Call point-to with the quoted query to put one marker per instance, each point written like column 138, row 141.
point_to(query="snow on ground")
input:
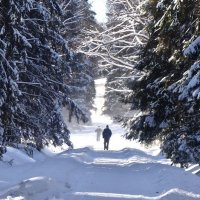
column 88, row 174
column 126, row 171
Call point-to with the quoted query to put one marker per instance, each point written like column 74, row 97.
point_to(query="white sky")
column 99, row 6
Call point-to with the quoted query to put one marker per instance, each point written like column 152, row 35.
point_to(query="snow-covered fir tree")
column 36, row 74
column 167, row 93
column 77, row 17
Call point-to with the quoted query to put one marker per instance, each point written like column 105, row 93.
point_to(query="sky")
column 99, row 6
column 126, row 171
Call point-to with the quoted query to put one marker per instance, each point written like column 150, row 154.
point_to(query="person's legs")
column 107, row 144
column 104, row 144
column 98, row 136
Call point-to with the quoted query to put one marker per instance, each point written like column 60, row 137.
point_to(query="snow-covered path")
column 87, row 174
column 129, row 174
column 127, row 171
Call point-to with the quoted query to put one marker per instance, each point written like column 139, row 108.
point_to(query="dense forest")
column 41, row 71
column 149, row 50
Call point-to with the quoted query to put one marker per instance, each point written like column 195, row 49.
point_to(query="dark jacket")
column 107, row 133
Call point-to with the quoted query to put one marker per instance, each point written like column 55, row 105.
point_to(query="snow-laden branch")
column 104, row 58
column 117, row 90
column 29, row 83
column 120, row 61
column 117, row 45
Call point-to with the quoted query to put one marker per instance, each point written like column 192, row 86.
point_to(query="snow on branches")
column 169, row 94
column 37, row 70
column 116, row 46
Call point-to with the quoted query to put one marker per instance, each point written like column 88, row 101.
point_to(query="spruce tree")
column 36, row 74
column 168, row 111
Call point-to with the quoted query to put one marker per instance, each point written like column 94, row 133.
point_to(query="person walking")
column 106, row 136
column 98, row 131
